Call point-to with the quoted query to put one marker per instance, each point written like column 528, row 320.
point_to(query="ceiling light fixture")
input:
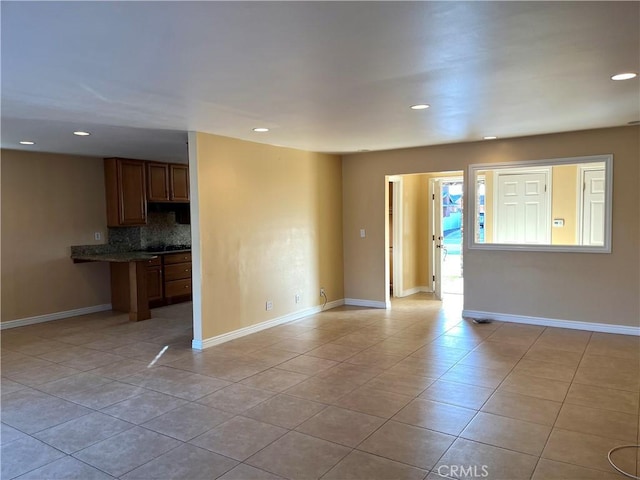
column 260, row 129
column 420, row 106
column 624, row 76
column 27, row 142
column 491, row 137
column 81, row 133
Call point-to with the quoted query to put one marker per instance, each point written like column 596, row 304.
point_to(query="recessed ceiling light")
column 624, row 76
column 260, row 129
column 491, row 137
column 420, row 106
column 27, row 142
column 81, row 133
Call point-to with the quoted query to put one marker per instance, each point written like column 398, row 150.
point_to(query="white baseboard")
column 21, row 322
column 225, row 337
column 356, row 302
column 414, row 290
column 554, row 322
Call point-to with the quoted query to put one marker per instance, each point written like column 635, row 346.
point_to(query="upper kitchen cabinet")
column 126, row 192
column 179, row 181
column 157, row 182
column 167, row 182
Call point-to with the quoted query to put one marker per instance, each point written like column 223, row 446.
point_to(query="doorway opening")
column 448, row 227
column 423, row 253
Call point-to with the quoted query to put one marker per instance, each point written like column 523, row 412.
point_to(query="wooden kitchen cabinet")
column 157, row 182
column 125, row 184
column 155, row 282
column 167, row 182
column 179, row 183
column 177, row 277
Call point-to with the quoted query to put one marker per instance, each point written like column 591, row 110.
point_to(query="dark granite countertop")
column 165, row 252
column 119, row 253
column 114, row 257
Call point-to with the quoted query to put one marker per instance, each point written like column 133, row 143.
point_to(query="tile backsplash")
column 161, row 229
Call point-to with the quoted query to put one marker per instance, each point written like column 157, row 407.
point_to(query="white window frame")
column 470, row 219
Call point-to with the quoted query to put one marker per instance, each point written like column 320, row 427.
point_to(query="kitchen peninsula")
column 131, row 295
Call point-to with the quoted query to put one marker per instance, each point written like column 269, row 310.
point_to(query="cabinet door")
column 132, row 192
column 179, row 175
column 154, row 283
column 157, row 182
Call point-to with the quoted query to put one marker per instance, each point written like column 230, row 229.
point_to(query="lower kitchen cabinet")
column 169, row 279
column 177, row 277
column 155, row 282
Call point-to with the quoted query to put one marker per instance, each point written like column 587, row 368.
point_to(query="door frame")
column 397, row 220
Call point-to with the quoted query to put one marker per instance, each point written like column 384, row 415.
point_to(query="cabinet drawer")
column 177, row 288
column 156, row 262
column 177, row 258
column 177, row 271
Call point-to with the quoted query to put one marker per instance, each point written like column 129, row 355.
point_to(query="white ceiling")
column 323, row 76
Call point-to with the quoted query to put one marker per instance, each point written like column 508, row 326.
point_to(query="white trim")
column 554, row 322
column 21, row 322
column 196, row 256
column 398, row 232
column 241, row 332
column 356, row 302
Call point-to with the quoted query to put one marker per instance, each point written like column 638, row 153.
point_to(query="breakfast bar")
column 128, row 280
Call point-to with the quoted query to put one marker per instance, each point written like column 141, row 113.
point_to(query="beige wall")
column 411, row 211
column 50, row 202
column 564, row 203
column 600, row 288
column 270, row 225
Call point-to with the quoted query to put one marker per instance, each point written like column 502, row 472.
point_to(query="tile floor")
column 349, row 393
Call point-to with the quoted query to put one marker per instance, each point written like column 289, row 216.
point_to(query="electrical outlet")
column 269, row 305
column 297, row 298
column 322, row 292
column 97, row 236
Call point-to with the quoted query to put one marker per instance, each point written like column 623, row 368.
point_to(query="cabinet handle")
column 186, row 269
column 186, row 286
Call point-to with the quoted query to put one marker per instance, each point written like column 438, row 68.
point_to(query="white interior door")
column 593, row 207
column 522, row 214
column 438, row 238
